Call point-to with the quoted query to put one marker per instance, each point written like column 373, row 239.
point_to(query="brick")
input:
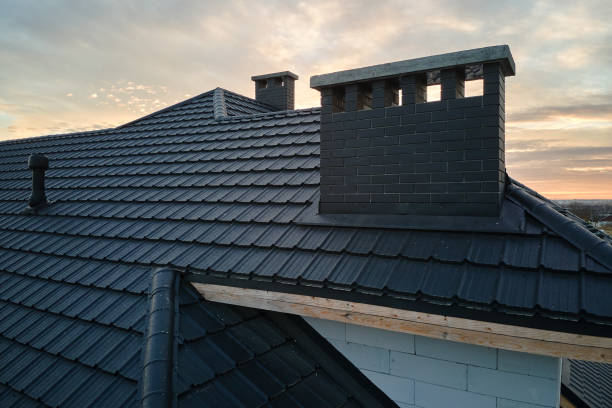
column 364, row 142
column 524, row 388
column 385, row 141
column 338, row 189
column 385, row 198
column 446, row 177
column 399, row 130
column 370, row 113
column 530, row 364
column 447, row 156
column 332, row 180
column 332, row 198
column 370, row 133
column 430, row 188
column 434, row 371
column 457, row 352
column 473, row 165
column 386, row 179
column 371, row 188
column 465, row 187
column 386, row 122
column 399, row 168
column 380, row 338
column 357, row 198
column 399, row 188
column 414, row 178
column 370, row 170
column 414, row 138
column 362, row 179
column 432, row 396
column 398, row 389
column 415, row 198
column 328, row 328
column 448, row 198
column 431, row 106
column 430, row 167
column 364, row 357
column 431, row 127
column 416, row 118
column 482, row 197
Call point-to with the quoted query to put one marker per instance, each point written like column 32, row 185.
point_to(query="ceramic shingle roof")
column 75, row 330
column 587, row 383
column 231, row 198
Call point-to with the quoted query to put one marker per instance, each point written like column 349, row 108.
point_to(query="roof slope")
column 587, row 384
column 230, row 200
column 71, row 334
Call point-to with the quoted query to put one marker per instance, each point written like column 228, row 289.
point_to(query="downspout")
column 159, row 351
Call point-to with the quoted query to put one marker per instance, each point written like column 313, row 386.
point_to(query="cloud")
column 589, row 112
column 138, row 57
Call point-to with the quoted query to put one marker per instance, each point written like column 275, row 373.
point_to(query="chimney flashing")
column 497, row 53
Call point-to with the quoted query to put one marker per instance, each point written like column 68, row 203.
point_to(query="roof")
column 230, row 199
column 586, row 383
column 82, row 330
column 221, row 189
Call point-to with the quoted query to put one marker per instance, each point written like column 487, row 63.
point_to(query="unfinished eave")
column 502, row 336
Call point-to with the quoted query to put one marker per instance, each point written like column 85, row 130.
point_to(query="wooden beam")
column 502, row 336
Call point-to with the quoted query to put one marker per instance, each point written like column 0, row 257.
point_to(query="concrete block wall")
column 417, row 371
column 438, row 158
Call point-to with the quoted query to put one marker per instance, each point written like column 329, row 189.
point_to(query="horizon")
column 102, row 64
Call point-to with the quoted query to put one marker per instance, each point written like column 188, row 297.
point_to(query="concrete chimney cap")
column 275, row 75
column 38, row 161
column 497, row 53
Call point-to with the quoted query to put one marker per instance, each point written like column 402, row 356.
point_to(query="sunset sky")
column 77, row 65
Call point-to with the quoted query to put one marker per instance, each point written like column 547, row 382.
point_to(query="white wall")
column 421, row 372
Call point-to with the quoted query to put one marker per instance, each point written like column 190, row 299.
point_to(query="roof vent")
column 39, row 164
column 424, row 158
column 276, row 90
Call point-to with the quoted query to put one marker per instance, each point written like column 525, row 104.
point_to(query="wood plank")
column 495, row 335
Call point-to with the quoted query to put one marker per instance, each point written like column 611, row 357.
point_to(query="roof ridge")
column 549, row 213
column 219, row 108
column 159, row 352
column 167, row 108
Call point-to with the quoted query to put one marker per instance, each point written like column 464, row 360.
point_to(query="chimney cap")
column 38, row 161
column 497, row 53
column 275, row 75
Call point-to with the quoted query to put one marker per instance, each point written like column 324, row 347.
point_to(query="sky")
column 67, row 66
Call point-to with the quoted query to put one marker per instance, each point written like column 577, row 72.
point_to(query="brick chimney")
column 427, row 158
column 276, row 90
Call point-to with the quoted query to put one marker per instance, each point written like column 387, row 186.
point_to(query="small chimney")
column 276, row 90
column 427, row 158
column 38, row 163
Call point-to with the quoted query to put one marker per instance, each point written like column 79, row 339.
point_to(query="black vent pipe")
column 38, row 163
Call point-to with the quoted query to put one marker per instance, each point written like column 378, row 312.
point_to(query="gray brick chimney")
column 430, row 158
column 276, row 90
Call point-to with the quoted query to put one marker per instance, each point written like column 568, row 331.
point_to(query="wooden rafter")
column 502, row 336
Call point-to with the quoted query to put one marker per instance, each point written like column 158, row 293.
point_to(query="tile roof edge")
column 159, row 348
column 549, row 213
column 54, row 136
column 219, row 108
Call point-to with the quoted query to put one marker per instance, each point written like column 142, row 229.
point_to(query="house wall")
column 421, row 372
